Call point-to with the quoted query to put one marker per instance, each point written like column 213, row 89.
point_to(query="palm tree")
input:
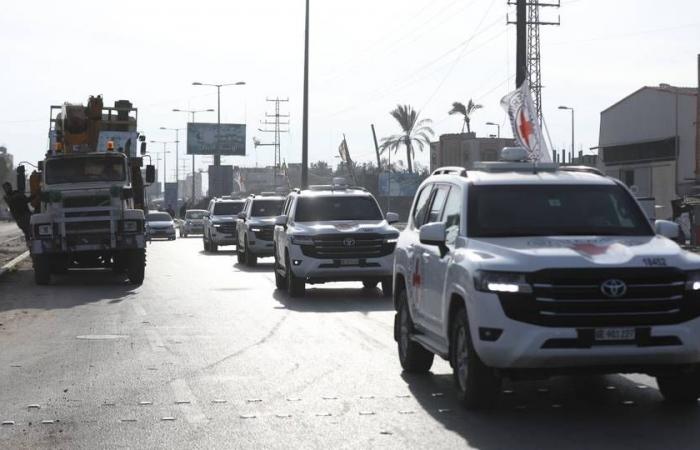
column 466, row 111
column 414, row 133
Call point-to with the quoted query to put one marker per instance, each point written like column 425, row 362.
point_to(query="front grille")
column 227, row 228
column 89, row 239
column 573, row 298
column 340, row 246
column 86, row 214
column 86, row 201
column 96, row 227
column 266, row 233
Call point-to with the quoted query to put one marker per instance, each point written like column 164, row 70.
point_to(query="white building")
column 465, row 149
column 649, row 141
column 186, row 191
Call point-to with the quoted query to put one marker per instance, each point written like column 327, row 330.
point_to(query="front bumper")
column 87, row 243
column 160, row 233
column 526, row 346
column 193, row 229
column 220, row 238
column 260, row 247
column 321, row 270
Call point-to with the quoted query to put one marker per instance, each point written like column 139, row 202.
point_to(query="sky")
column 366, row 57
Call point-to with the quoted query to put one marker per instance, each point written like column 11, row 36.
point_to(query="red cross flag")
column 523, row 118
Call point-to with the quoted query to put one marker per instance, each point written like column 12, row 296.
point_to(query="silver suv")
column 220, row 223
column 333, row 233
column 256, row 223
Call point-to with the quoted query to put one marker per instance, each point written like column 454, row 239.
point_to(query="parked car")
column 193, row 223
column 255, row 227
column 160, row 224
column 220, row 223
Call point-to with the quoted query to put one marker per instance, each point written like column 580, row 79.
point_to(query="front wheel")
column 280, row 280
column 136, row 269
column 370, row 284
column 683, row 388
column 42, row 270
column 414, row 358
column 250, row 259
column 296, row 286
column 388, row 287
column 477, row 385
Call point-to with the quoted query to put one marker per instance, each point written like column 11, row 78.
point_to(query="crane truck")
column 88, row 192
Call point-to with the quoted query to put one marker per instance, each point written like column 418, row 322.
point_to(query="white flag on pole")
column 523, row 118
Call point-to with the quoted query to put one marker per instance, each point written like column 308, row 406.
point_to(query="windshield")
column 554, row 210
column 196, row 215
column 80, row 170
column 227, row 208
column 321, row 209
column 266, row 208
column 158, row 217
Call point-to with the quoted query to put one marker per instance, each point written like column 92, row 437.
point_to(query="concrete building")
column 648, row 140
column 187, row 187
column 464, row 149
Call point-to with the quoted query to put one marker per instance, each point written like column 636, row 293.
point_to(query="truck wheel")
column 42, row 270
column 250, row 259
column 280, row 280
column 296, row 286
column 414, row 357
column 477, row 385
column 388, row 287
column 370, row 284
column 213, row 247
column 683, row 388
column 136, row 269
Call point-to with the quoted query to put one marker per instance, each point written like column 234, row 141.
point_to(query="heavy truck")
column 88, row 192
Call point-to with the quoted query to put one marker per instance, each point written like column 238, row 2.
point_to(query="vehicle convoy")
column 255, row 227
column 159, row 224
column 220, row 223
column 518, row 271
column 193, row 223
column 333, row 233
column 88, row 192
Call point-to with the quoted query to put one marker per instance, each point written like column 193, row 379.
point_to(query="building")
column 186, row 192
column 6, row 166
column 464, row 149
column 649, row 140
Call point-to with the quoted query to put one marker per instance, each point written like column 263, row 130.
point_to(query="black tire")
column 136, row 268
column 682, row 389
column 280, row 280
column 213, row 247
column 388, row 287
column 250, row 259
column 42, row 270
column 369, row 284
column 205, row 244
column 414, row 358
column 119, row 263
column 477, row 385
column 240, row 256
column 296, row 286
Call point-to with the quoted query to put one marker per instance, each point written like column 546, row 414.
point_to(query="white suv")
column 255, row 226
column 220, row 223
column 333, row 233
column 517, row 271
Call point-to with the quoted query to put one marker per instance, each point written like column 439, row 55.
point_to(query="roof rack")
column 451, row 170
column 583, row 169
column 497, row 166
column 335, row 187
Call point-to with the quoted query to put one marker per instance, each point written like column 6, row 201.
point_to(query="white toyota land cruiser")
column 333, row 233
column 522, row 272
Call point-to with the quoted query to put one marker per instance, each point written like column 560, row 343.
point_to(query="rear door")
column 414, row 251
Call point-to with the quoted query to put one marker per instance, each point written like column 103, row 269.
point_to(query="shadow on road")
column 258, row 268
column 563, row 413
column 18, row 291
column 329, row 300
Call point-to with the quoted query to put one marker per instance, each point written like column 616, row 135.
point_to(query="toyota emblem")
column 613, row 288
column 349, row 242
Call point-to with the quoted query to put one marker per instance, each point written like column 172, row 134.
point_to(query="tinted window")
column 321, row 209
column 81, row 170
column 437, row 204
column 421, row 206
column 196, row 215
column 158, row 217
column 554, row 210
column 227, row 208
column 451, row 215
column 266, row 208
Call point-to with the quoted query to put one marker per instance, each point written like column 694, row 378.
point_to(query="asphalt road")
column 206, row 354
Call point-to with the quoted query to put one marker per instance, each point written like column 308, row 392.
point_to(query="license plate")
column 349, row 262
column 615, row 334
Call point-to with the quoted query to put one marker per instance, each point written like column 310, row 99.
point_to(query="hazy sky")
column 366, row 56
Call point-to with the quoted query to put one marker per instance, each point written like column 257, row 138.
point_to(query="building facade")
column 465, row 149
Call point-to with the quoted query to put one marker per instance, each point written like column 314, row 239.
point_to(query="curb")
column 11, row 265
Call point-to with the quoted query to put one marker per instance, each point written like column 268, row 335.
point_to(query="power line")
column 274, row 120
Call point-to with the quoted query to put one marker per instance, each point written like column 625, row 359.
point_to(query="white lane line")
column 138, row 309
column 157, row 344
column 186, row 401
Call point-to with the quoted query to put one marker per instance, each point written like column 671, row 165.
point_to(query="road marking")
column 102, row 337
column 157, row 344
column 187, row 402
column 138, row 309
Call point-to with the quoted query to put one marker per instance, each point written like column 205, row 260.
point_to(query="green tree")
column 414, row 133
column 466, row 112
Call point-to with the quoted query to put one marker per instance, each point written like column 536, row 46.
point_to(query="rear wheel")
column 136, row 269
column 683, row 388
column 42, row 270
column 296, row 286
column 477, row 385
column 370, row 284
column 250, row 259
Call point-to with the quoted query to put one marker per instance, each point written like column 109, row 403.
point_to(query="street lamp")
column 572, row 129
column 217, row 157
column 305, row 120
column 164, row 152
column 177, row 151
column 496, row 125
column 193, row 112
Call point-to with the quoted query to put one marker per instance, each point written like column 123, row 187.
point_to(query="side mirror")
column 150, row 173
column 392, row 217
column 434, row 234
column 241, row 215
column 281, row 220
column 143, row 148
column 668, row 229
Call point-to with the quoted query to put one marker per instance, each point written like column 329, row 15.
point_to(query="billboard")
column 202, row 139
column 397, row 184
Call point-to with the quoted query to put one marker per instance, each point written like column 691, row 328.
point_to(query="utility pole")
column 376, row 148
column 277, row 124
column 305, row 126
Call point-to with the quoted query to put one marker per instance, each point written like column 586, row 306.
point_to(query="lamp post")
column 177, row 151
column 496, row 125
column 217, row 156
column 305, row 125
column 193, row 112
column 165, row 165
column 572, row 129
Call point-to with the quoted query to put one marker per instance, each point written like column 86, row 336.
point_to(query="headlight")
column 391, row 239
column 302, row 240
column 693, row 281
column 256, row 229
column 217, row 225
column 130, row 226
column 505, row 282
column 44, row 230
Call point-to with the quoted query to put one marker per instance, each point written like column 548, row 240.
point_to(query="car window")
column 158, row 217
column 227, row 208
column 266, row 208
column 331, row 208
column 438, row 202
column 451, row 215
column 421, row 206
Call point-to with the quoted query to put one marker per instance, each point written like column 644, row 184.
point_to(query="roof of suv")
column 227, row 200
column 496, row 177
column 341, row 191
